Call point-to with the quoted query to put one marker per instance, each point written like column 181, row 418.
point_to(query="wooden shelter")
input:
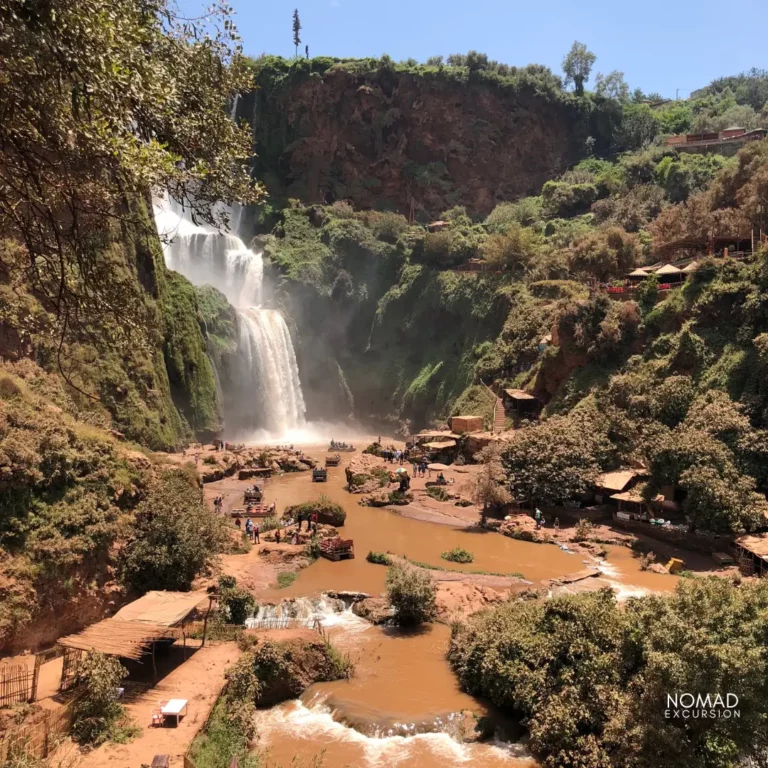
column 134, row 630
column 669, row 274
column 610, row 483
column 466, row 424
column 637, row 275
column 520, row 402
column 752, row 554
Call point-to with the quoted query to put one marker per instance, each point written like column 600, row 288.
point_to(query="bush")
column 380, row 558
column 412, row 593
column 175, row 536
column 458, row 555
column 584, row 529
column 236, row 602
column 97, row 711
column 438, row 493
column 328, row 512
column 401, row 498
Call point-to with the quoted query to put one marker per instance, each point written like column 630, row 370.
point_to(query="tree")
column 488, row 488
column 117, row 81
column 577, row 65
column 556, row 460
column 97, row 709
column 612, row 86
column 412, row 593
column 591, row 679
column 296, row 31
column 174, row 538
column 606, row 253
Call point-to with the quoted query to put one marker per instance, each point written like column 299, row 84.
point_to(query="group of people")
column 252, row 529
column 540, row 521
column 420, row 468
column 395, row 456
column 311, row 521
column 336, row 446
column 218, row 503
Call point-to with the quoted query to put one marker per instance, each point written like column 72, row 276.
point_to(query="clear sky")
column 660, row 45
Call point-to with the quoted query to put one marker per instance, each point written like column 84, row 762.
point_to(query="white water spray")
column 265, row 392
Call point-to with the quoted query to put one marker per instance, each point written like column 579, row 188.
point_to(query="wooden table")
column 175, row 708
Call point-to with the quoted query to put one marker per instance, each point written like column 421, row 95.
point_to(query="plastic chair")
column 158, row 718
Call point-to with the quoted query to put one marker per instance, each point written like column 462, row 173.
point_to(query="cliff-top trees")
column 577, row 65
column 296, row 31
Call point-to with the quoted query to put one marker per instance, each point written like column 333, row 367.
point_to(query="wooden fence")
column 17, row 684
column 36, row 740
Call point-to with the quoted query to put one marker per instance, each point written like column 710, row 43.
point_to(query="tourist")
column 415, row 468
column 256, row 533
column 557, row 523
column 238, row 522
column 277, row 536
column 295, row 538
column 300, row 518
column 537, row 516
column 314, row 519
column 249, row 528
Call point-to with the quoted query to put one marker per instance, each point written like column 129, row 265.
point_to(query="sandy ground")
column 199, row 680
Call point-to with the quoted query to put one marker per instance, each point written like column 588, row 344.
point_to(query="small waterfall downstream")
column 263, row 392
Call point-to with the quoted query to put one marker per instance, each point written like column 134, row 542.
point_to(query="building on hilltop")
column 726, row 142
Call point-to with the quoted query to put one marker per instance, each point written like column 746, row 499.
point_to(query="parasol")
column 438, row 467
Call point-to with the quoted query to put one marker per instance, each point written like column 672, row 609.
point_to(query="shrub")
column 97, row 711
column 400, row 498
column 438, row 493
column 312, row 547
column 175, row 536
column 412, row 593
column 236, row 602
column 584, row 529
column 458, row 555
column 380, row 558
column 381, row 474
column 328, row 512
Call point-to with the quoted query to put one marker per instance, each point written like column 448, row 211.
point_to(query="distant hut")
column 520, row 403
column 638, row 275
column 669, row 274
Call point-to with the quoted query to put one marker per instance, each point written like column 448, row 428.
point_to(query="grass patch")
column 421, row 564
column 380, row 558
column 381, row 474
column 458, row 555
column 286, row 578
column 221, row 741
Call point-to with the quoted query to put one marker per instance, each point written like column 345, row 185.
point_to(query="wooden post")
column 35, row 678
column 205, row 621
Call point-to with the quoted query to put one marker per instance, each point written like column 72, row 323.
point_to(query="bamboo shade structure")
column 162, row 608
column 118, row 638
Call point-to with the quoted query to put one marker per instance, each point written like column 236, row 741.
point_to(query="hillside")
column 385, row 135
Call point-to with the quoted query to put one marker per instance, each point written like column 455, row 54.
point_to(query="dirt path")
column 199, row 680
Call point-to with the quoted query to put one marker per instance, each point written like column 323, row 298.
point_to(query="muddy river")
column 403, row 707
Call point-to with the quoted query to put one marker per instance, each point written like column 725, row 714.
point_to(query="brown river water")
column 401, row 708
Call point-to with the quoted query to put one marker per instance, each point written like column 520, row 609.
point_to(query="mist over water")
column 262, row 392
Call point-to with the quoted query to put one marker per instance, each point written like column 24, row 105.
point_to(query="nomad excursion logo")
column 689, row 706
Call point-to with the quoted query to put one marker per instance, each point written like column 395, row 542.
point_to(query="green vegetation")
column 430, row 567
column 458, row 555
column 237, row 604
column 412, row 593
column 591, row 679
column 328, row 512
column 438, row 493
column 98, row 715
column 174, row 537
column 286, row 578
column 380, row 558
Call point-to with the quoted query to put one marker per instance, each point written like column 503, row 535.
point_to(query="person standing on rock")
column 277, row 536
column 299, row 519
column 256, row 533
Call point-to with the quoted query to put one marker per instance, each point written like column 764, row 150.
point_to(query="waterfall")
column 262, row 390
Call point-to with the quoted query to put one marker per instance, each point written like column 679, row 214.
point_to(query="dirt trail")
column 199, row 680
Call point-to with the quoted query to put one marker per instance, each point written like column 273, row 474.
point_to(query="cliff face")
column 390, row 139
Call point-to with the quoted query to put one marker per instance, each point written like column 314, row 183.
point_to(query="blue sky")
column 660, row 45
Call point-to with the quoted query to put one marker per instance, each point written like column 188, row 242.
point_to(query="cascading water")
column 263, row 392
